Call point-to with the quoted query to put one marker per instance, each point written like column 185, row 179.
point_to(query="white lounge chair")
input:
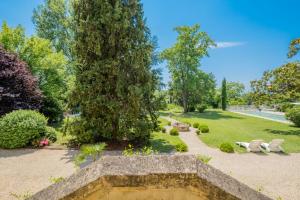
column 274, row 145
column 253, row 146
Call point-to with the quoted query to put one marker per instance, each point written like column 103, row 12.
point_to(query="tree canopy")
column 44, row 63
column 279, row 85
column 183, row 60
column 18, row 88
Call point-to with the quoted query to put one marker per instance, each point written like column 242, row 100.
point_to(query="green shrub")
column 169, row 123
column 201, row 108
column 19, row 128
column 163, row 130
column 51, row 134
column 293, row 115
column 174, row 132
column 196, row 125
column 204, row 128
column 226, row 147
column 198, row 132
column 284, row 107
column 181, row 147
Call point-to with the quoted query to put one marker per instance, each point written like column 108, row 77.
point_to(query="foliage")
column 24, row 196
column 294, row 47
column 146, row 151
column 204, row 128
column 181, row 147
column 205, row 159
column 53, row 21
column 293, row 115
column 201, row 108
column 198, row 132
column 279, row 85
column 169, row 123
column 226, row 147
column 235, row 93
column 163, row 130
column 285, row 106
column 44, row 63
column 224, row 100
column 56, row 179
column 114, row 82
column 183, row 60
column 51, row 134
column 89, row 151
column 128, row 151
column 19, row 128
column 174, row 132
column 196, row 125
column 18, row 88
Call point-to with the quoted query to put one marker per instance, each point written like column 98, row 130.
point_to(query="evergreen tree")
column 114, row 82
column 224, row 95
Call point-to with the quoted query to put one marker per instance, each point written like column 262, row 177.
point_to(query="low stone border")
column 180, row 166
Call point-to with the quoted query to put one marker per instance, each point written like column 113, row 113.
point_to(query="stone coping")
column 147, row 165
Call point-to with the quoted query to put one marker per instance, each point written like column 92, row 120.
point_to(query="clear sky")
column 254, row 34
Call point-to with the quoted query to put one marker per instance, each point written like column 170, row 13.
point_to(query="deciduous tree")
column 183, row 60
column 18, row 88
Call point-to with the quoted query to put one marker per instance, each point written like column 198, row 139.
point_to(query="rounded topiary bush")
column 196, row 125
column 181, row 147
column 174, row 132
column 19, row 128
column 226, row 147
column 163, row 130
column 204, row 128
column 293, row 115
column 198, row 132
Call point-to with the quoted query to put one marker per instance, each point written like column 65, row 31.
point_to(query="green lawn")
column 163, row 142
column 231, row 127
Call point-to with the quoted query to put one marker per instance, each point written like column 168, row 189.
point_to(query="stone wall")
column 164, row 176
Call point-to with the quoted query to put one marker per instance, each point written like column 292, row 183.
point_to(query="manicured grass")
column 231, row 127
column 163, row 142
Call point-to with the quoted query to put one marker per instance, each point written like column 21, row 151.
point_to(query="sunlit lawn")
column 231, row 127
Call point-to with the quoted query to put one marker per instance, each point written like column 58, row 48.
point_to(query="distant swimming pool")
column 266, row 115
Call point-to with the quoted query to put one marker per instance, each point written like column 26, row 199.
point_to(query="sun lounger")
column 273, row 146
column 253, row 146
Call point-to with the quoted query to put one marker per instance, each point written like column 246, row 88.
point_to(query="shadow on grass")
column 284, row 132
column 212, row 114
column 161, row 146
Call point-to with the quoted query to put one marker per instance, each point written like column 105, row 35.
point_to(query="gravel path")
column 276, row 175
column 29, row 170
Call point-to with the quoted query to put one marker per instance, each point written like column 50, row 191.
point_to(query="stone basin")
column 159, row 177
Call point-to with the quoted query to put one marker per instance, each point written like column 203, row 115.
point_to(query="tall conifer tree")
column 114, row 81
column 224, row 95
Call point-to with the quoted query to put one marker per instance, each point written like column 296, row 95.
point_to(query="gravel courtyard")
column 276, row 175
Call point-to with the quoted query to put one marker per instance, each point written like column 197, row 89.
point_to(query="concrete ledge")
column 160, row 171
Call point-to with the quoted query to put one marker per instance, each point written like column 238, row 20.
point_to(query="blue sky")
column 254, row 34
